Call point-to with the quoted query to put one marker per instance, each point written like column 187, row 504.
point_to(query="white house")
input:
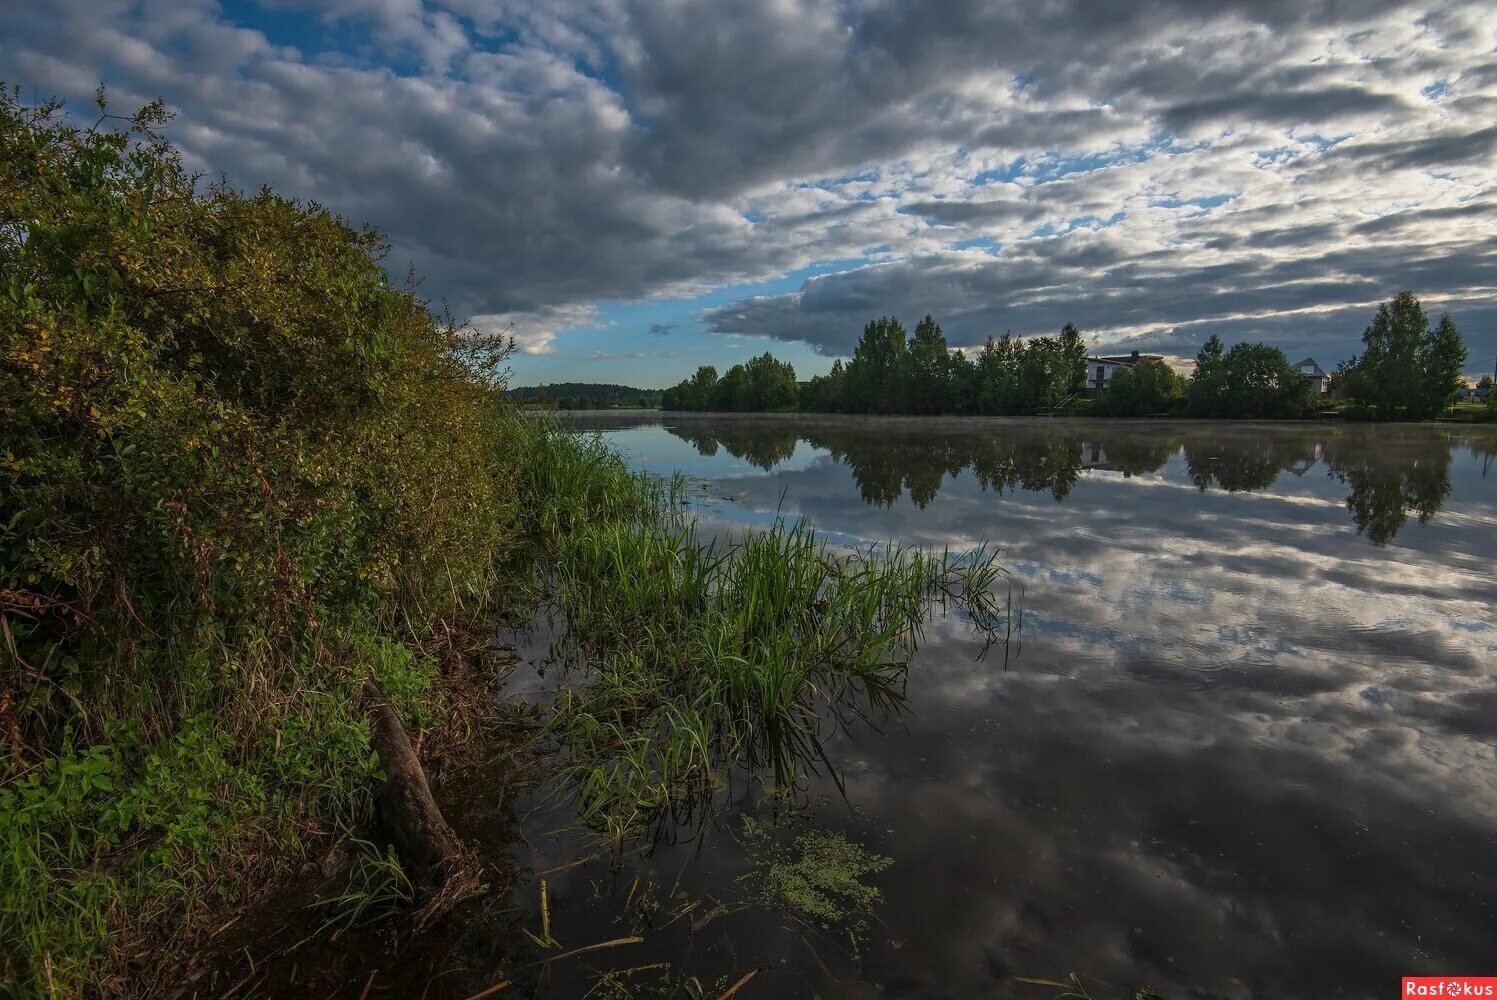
column 1319, row 380
column 1099, row 371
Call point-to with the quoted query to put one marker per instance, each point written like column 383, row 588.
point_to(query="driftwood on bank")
column 425, row 844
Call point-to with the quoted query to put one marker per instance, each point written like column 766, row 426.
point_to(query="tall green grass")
column 568, row 480
column 703, row 655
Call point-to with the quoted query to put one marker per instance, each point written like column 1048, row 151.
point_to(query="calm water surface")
column 1245, row 750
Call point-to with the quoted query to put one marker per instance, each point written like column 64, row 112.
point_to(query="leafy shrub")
column 1249, row 381
column 233, row 457
column 1147, row 388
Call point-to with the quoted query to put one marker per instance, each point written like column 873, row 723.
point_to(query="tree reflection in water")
column 1387, row 482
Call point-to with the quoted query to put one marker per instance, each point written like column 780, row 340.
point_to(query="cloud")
column 1137, row 168
column 534, row 331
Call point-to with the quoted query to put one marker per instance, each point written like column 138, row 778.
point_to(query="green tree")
column 1406, row 369
column 1043, row 374
column 1072, row 361
column 1250, row 380
column 875, row 376
column 927, row 370
column 734, row 392
column 824, row 393
column 1262, row 383
column 1148, row 387
column 998, row 375
column 233, row 455
column 771, row 384
column 703, row 388
column 696, row 393
column 1205, row 394
column 1442, row 355
column 1388, row 377
column 962, row 387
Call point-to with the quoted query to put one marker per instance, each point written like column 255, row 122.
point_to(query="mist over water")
column 1245, row 749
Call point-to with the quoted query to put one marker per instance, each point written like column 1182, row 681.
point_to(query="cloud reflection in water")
column 1248, row 747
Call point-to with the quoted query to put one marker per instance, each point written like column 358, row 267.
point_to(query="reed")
column 700, row 655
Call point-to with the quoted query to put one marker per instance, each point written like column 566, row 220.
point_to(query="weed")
column 702, row 656
column 818, row 879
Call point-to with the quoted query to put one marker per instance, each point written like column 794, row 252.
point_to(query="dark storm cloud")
column 1292, row 108
column 1104, row 289
column 956, row 213
column 1445, row 150
column 537, row 159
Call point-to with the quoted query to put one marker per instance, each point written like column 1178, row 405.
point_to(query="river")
column 1243, row 746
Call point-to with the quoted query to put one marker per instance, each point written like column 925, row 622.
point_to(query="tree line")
column 585, row 395
column 893, row 372
column 1407, row 370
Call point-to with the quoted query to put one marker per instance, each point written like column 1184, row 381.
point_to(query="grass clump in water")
column 706, row 655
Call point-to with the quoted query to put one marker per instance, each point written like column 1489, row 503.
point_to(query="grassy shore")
column 241, row 474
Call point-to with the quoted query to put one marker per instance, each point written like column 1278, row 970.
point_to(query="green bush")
column 1149, row 387
column 1250, row 381
column 239, row 472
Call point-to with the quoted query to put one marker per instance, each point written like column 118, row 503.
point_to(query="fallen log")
column 428, row 849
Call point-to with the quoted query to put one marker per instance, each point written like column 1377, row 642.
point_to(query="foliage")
column 1148, row 387
column 1406, row 369
column 240, row 471
column 695, row 393
column 928, row 370
column 762, row 385
column 820, row 878
column 599, row 394
column 876, row 374
column 702, row 657
column 825, row 393
column 1248, row 381
column 892, row 372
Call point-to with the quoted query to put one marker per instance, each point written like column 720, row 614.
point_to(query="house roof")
column 1125, row 359
column 1319, row 372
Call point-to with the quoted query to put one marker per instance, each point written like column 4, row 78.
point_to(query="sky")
column 635, row 188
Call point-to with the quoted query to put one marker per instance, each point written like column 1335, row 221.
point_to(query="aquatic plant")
column 701, row 655
column 819, row 878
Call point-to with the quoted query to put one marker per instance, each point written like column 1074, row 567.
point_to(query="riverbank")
column 244, row 477
column 264, row 509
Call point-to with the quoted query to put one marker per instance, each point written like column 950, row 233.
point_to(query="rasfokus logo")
column 1449, row 986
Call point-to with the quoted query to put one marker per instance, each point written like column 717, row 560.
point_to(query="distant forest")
column 1408, row 370
column 587, row 395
